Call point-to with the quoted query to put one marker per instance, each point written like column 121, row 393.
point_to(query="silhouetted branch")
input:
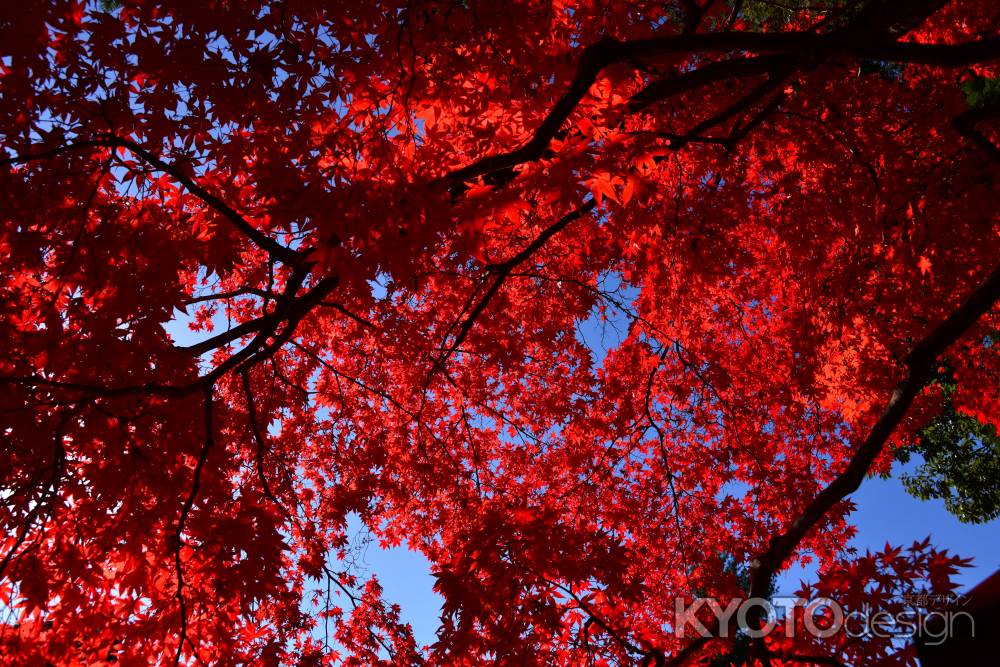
column 262, row 240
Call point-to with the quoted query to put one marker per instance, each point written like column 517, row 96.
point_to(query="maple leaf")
column 603, row 185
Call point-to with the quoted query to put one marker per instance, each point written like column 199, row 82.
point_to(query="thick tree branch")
column 921, row 364
column 596, row 57
column 229, row 335
column 232, row 294
column 723, row 70
column 295, row 312
column 291, row 310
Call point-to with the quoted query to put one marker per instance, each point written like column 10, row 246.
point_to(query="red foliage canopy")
column 392, row 222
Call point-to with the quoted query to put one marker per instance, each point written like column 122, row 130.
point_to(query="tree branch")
column 260, row 442
column 502, row 270
column 608, row 51
column 240, row 330
column 178, row 538
column 921, row 364
column 261, row 239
